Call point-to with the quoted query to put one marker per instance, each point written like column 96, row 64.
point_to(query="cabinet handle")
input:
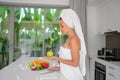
column 111, row 74
column 100, row 71
column 111, row 67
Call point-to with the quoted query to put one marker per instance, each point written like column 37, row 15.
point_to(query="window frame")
column 11, row 32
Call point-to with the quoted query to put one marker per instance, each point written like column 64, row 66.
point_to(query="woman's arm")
column 55, row 68
column 75, row 48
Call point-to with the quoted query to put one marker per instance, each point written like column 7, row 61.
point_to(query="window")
column 4, row 39
column 36, row 30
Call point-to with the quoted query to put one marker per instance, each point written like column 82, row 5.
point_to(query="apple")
column 49, row 54
column 39, row 68
column 30, row 64
column 45, row 65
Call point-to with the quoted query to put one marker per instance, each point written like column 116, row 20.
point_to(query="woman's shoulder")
column 75, row 39
column 75, row 42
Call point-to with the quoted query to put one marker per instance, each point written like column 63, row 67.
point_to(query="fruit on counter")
column 45, row 65
column 50, row 53
column 38, row 64
column 33, row 68
column 43, row 61
column 39, row 67
column 37, row 61
column 30, row 64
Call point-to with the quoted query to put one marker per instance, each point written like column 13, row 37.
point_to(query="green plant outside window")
column 36, row 30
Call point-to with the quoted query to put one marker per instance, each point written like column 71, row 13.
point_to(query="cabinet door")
column 110, row 76
column 92, row 69
column 118, row 73
column 112, row 73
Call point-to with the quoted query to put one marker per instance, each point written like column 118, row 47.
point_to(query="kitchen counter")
column 116, row 63
column 19, row 70
column 113, row 63
column 110, row 68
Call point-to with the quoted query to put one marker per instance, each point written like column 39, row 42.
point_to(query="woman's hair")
column 60, row 18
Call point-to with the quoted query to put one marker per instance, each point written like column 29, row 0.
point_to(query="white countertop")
column 114, row 63
column 117, row 63
column 19, row 70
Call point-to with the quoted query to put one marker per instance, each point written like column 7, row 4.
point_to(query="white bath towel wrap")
column 72, row 20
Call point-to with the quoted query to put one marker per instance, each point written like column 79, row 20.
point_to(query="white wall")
column 36, row 2
column 95, row 40
column 101, row 18
column 109, row 15
column 94, row 2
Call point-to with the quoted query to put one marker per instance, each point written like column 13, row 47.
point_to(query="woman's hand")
column 55, row 68
column 51, row 58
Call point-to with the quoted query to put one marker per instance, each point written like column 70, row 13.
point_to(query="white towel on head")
column 72, row 20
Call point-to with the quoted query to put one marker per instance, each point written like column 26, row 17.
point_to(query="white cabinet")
column 112, row 73
column 112, row 69
column 108, row 16
column 92, row 69
column 104, row 17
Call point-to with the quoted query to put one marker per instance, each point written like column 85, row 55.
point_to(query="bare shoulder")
column 75, row 43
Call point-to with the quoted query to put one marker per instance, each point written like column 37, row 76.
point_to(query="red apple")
column 45, row 65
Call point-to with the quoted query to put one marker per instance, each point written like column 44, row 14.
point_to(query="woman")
column 72, row 53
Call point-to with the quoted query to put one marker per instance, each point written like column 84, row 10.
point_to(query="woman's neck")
column 71, row 33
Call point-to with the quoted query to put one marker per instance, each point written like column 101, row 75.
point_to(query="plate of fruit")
column 38, row 64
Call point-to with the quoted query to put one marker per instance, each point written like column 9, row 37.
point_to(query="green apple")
column 39, row 68
column 50, row 54
column 30, row 64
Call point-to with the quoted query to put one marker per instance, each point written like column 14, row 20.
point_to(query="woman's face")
column 63, row 27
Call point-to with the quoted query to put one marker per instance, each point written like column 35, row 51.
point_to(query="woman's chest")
column 67, row 44
column 65, row 53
